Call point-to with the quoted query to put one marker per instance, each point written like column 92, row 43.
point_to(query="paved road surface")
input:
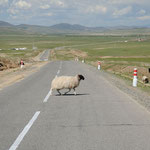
column 100, row 117
column 45, row 55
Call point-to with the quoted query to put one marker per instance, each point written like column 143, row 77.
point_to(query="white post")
column 76, row 59
column 99, row 65
column 135, row 78
column 21, row 64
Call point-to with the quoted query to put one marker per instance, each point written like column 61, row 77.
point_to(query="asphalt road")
column 45, row 55
column 100, row 117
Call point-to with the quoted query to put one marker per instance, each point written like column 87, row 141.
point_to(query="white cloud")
column 16, row 7
column 139, row 2
column 60, row 3
column 48, row 14
column 45, row 6
column 122, row 12
column 141, row 12
column 96, row 9
column 22, row 5
column 3, row 2
column 144, row 18
column 57, row 3
column 77, row 11
column 13, row 11
column 13, row 17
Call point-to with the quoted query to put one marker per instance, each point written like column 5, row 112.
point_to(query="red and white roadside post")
column 135, row 77
column 21, row 64
column 99, row 65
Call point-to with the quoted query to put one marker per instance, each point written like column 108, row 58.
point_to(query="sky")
column 90, row 13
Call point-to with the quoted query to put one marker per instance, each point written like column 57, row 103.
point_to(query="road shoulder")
column 10, row 76
column 141, row 97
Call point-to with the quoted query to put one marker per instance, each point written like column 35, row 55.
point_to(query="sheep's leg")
column 67, row 91
column 58, row 92
column 74, row 91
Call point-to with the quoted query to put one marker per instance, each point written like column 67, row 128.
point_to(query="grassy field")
column 118, row 54
column 108, row 48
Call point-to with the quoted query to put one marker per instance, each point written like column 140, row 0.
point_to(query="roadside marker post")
column 76, row 59
column 21, row 64
column 99, row 65
column 135, row 78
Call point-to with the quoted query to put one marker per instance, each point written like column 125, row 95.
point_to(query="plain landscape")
column 74, row 75
column 119, row 50
column 106, row 113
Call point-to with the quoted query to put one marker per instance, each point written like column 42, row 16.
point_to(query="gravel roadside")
column 10, row 76
column 136, row 93
column 143, row 98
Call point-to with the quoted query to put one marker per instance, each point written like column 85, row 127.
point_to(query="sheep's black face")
column 146, row 80
column 81, row 77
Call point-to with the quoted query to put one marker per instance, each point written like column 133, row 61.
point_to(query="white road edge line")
column 47, row 96
column 15, row 145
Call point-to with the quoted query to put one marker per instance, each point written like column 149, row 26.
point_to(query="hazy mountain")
column 7, row 28
column 66, row 26
column 5, row 24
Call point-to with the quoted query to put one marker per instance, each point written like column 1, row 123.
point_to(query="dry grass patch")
column 6, row 63
column 10, row 76
column 123, row 69
column 67, row 54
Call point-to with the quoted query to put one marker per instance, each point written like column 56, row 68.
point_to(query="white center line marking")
column 58, row 72
column 47, row 96
column 49, row 93
column 60, row 65
column 24, row 132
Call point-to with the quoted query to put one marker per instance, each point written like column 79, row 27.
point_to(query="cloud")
column 96, row 9
column 85, row 12
column 18, row 7
column 57, row 3
column 128, row 2
column 3, row 2
column 45, row 6
column 12, row 11
column 144, row 18
column 122, row 12
column 48, row 14
column 22, row 5
column 141, row 12
column 60, row 3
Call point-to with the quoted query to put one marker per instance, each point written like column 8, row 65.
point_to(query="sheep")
column 145, row 79
column 66, row 82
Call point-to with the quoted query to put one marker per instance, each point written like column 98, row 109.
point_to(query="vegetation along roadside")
column 118, row 54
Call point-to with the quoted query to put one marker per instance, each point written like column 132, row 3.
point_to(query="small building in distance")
column 17, row 49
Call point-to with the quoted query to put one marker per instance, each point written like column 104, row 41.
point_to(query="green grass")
column 95, row 46
column 113, row 51
column 128, row 59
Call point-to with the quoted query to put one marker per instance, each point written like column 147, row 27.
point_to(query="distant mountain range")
column 7, row 28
